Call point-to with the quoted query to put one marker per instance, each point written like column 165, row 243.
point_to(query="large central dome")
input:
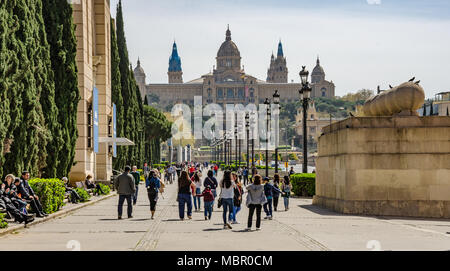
column 228, row 47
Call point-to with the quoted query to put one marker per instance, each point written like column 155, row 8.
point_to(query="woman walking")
column 153, row 184
column 198, row 190
column 237, row 199
column 255, row 200
column 226, row 195
column 276, row 194
column 211, row 182
column 184, row 194
column 286, row 187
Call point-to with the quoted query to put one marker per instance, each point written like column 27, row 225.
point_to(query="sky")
column 361, row 43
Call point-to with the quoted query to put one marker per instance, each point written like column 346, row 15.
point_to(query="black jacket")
column 25, row 189
column 12, row 193
column 212, row 182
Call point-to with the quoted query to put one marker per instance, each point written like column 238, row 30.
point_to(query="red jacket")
column 208, row 195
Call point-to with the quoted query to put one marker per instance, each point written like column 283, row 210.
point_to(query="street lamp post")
column 276, row 101
column 239, row 151
column 305, row 98
column 247, row 129
column 267, row 103
column 253, row 150
column 230, row 150
column 236, row 145
column 225, row 156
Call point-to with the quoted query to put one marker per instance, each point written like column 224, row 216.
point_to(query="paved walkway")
column 303, row 227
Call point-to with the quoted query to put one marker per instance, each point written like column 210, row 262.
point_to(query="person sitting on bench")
column 27, row 193
column 74, row 197
column 9, row 200
column 91, row 185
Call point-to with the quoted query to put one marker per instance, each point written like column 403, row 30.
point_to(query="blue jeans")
column 268, row 211
column 135, row 194
column 227, row 205
column 286, row 202
column 197, row 201
column 215, row 195
column 182, row 200
column 122, row 198
column 234, row 213
column 208, row 208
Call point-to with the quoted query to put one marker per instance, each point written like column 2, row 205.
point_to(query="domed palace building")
column 228, row 83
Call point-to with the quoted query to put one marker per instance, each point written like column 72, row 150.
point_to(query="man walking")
column 245, row 176
column 126, row 188
column 137, row 179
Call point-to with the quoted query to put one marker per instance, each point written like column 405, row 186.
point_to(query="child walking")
column 208, row 200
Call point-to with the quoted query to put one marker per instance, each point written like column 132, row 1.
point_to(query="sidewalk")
column 66, row 209
column 303, row 227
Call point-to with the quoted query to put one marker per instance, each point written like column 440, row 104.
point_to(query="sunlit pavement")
column 303, row 227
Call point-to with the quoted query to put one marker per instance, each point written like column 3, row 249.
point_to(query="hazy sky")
column 361, row 43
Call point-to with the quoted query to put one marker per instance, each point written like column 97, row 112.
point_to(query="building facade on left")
column 95, row 110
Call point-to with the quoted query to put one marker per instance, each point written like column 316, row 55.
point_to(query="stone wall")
column 92, row 19
column 397, row 166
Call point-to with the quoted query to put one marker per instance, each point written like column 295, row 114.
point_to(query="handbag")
column 220, row 200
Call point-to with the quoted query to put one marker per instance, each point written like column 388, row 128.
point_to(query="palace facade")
column 228, row 83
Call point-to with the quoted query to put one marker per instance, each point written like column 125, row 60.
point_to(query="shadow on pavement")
column 242, row 231
column 319, row 210
column 216, row 229
column 140, row 219
column 109, row 219
column 172, row 220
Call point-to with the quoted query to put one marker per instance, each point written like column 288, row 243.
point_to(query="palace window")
column 241, row 93
column 324, row 92
column 230, row 93
column 209, row 92
column 220, row 93
column 110, row 126
column 252, row 92
column 90, row 126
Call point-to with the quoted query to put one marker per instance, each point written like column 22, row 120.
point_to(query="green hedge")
column 262, row 167
column 84, row 195
column 106, row 189
column 304, row 184
column 51, row 193
column 3, row 223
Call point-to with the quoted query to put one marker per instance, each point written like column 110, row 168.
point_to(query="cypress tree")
column 116, row 92
column 8, row 76
column 146, row 100
column 139, row 122
column 60, row 31
column 30, row 76
column 127, row 93
column 132, row 106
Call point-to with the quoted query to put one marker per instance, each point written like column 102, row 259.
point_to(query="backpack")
column 152, row 190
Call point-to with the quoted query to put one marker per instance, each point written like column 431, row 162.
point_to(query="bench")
column 83, row 185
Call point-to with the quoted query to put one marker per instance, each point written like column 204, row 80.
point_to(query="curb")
column 55, row 215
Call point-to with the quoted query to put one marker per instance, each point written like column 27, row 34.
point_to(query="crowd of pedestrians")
column 195, row 191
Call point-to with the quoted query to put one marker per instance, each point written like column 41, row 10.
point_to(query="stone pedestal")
column 394, row 166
